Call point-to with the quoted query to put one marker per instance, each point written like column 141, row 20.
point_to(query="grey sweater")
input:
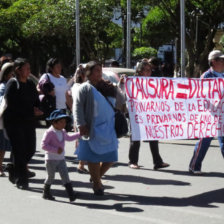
column 84, row 106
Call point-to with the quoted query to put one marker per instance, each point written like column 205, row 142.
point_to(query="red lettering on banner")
column 216, row 90
column 158, row 132
column 202, row 129
column 154, row 132
column 200, row 105
column 129, row 81
column 191, row 107
column 215, row 87
column 163, row 108
column 140, row 88
column 208, row 130
column 138, row 119
column 140, row 107
column 153, row 87
column 143, row 88
column 182, row 95
column 166, row 88
column 179, row 106
column 166, row 131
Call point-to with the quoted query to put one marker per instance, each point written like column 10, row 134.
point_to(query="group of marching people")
column 93, row 118
column 89, row 97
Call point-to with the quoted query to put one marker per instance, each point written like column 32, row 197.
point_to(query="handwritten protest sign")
column 181, row 108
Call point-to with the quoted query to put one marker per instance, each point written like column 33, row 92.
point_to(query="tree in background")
column 162, row 25
column 39, row 29
column 144, row 52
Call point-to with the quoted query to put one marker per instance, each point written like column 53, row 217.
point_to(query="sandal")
column 162, row 165
column 134, row 166
column 82, row 171
column 2, row 174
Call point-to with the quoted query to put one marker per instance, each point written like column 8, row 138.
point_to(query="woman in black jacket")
column 19, row 121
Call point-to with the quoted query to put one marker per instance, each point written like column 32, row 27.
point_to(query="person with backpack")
column 61, row 88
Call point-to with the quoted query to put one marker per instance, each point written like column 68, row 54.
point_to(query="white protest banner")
column 180, row 108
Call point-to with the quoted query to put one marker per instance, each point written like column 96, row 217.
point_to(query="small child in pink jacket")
column 53, row 143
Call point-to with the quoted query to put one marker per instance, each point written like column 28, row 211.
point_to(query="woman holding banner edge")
column 144, row 69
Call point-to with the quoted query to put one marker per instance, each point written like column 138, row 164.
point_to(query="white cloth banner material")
column 175, row 108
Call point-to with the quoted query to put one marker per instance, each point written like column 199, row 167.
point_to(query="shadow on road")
column 186, row 173
column 122, row 201
column 202, row 200
column 145, row 180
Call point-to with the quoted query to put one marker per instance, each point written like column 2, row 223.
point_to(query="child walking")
column 53, row 143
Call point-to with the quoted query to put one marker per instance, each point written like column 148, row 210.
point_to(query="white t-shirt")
column 61, row 88
column 74, row 91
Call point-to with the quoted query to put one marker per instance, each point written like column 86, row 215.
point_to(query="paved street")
column 141, row 196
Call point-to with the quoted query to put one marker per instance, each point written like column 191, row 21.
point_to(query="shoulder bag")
column 121, row 124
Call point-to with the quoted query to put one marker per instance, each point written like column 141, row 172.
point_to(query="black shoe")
column 47, row 194
column 22, row 186
column 99, row 192
column 49, row 197
column 30, row 174
column 11, row 171
column 162, row 165
column 71, row 194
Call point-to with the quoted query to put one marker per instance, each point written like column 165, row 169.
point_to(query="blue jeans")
column 200, row 151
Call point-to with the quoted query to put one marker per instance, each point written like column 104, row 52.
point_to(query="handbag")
column 121, row 124
column 47, row 101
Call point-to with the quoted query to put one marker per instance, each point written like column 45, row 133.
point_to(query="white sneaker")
column 196, row 172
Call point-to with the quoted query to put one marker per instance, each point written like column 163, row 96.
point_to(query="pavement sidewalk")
column 166, row 196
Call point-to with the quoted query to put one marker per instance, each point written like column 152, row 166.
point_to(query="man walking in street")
column 216, row 63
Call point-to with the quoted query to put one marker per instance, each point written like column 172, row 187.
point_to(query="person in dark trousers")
column 144, row 69
column 19, row 121
column 216, row 63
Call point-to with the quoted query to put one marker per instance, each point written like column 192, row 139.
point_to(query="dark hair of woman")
column 51, row 63
column 106, row 88
column 90, row 66
column 19, row 62
column 80, row 73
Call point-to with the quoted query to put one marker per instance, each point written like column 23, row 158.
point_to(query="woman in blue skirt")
column 94, row 117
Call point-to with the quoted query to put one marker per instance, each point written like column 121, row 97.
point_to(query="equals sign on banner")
column 182, row 87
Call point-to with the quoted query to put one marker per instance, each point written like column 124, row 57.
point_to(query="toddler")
column 53, row 143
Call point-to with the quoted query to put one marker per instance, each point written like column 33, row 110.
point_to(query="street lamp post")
column 77, row 33
column 128, row 46
column 182, row 24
